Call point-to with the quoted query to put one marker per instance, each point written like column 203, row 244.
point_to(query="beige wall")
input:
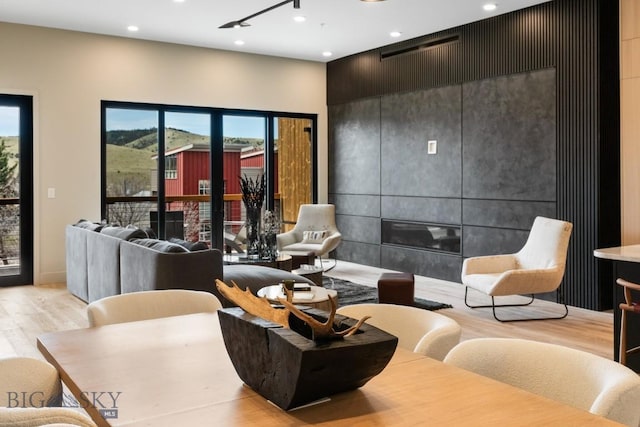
column 630, row 119
column 69, row 73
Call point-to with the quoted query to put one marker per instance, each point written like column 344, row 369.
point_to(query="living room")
column 69, row 74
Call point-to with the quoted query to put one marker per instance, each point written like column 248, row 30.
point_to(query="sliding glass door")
column 16, row 190
column 176, row 170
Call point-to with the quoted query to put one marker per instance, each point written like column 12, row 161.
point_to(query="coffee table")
column 283, row 262
column 316, row 296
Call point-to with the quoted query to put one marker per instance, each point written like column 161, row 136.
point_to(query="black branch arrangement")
column 252, row 191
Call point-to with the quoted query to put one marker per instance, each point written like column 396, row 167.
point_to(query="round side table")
column 316, row 297
column 311, row 272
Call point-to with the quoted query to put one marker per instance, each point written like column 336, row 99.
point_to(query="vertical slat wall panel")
column 566, row 35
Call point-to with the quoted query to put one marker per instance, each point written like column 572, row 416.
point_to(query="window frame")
column 217, row 183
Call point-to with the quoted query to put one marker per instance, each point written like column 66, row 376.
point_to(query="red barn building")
column 187, row 173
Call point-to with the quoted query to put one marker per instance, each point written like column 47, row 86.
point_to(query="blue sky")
column 234, row 126
column 9, row 121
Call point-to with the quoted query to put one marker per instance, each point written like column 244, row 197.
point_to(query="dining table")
column 176, row 371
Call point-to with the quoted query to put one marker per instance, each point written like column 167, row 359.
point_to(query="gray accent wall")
column 494, row 169
column 498, row 190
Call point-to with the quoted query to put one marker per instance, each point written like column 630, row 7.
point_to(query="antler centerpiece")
column 273, row 352
column 261, row 307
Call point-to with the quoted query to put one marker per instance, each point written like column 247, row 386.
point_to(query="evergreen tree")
column 7, row 173
column 9, row 222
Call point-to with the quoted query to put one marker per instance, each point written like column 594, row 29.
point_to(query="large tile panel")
column 509, row 128
column 354, row 147
column 477, row 241
column 409, row 120
column 359, row 229
column 360, row 253
column 423, row 209
column 505, row 213
column 423, row 263
column 355, row 204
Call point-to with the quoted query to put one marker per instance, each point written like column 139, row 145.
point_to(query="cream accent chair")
column 37, row 389
column 150, row 305
column 312, row 218
column 420, row 331
column 573, row 377
column 537, row 268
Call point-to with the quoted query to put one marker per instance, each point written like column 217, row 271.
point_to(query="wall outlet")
column 51, row 193
column 432, row 146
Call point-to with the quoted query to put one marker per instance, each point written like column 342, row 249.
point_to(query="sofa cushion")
column 124, row 233
column 86, row 224
column 160, row 245
column 190, row 246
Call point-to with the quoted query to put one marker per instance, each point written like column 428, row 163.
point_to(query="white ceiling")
column 343, row 27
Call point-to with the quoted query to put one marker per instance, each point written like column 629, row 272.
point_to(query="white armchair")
column 315, row 231
column 420, row 331
column 573, row 377
column 537, row 268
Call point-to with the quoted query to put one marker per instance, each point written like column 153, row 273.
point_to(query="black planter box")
column 288, row 368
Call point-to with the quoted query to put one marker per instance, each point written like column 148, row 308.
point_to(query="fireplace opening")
column 439, row 237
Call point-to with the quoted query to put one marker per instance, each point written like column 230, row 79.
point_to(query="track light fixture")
column 243, row 22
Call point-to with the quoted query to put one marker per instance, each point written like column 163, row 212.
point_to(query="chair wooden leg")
column 622, row 353
column 494, row 305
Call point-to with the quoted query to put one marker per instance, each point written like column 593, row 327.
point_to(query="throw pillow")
column 191, row 246
column 124, row 233
column 314, row 237
column 88, row 225
column 160, row 245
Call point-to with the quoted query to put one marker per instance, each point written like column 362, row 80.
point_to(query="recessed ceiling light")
column 326, row 53
column 299, row 18
column 178, row 1
column 132, row 28
column 490, row 6
column 395, row 33
column 239, row 42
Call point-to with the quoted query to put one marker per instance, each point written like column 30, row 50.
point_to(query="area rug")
column 352, row 293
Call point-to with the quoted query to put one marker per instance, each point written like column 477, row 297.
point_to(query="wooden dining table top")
column 175, row 371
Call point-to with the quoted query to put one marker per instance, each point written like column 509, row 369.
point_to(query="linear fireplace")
column 439, row 237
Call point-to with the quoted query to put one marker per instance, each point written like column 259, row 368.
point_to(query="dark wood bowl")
column 288, row 368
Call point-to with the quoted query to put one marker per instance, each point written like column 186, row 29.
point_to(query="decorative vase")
column 270, row 250
column 253, row 196
column 270, row 229
column 253, row 233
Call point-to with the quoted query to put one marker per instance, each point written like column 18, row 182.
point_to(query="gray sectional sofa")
column 104, row 261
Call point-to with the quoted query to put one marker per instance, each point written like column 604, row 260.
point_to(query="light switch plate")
column 51, row 193
column 432, row 146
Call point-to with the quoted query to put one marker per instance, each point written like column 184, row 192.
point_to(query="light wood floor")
column 29, row 311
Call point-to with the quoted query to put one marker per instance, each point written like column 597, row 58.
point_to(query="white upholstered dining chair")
column 573, row 377
column 150, row 305
column 418, row 330
column 537, row 268
column 31, row 395
column 315, row 231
